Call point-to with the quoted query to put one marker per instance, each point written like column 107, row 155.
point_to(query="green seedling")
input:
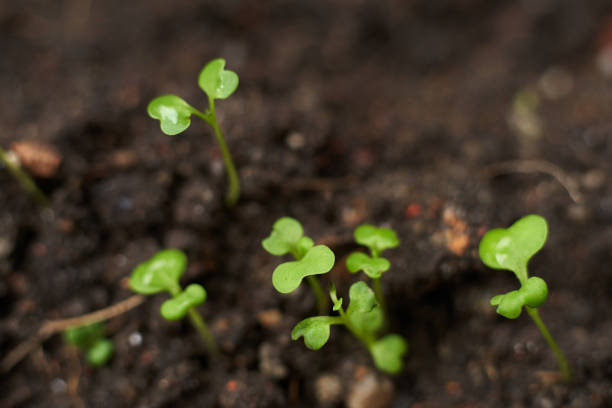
column 90, row 339
column 373, row 265
column 162, row 273
column 174, row 114
column 25, row 181
column 511, row 249
column 287, row 237
column 364, row 318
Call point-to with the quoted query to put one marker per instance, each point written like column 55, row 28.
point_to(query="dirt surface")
column 388, row 112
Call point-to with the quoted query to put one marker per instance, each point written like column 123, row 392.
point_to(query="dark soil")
column 347, row 112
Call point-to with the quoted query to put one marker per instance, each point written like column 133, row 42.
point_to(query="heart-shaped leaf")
column 373, row 267
column 388, row 353
column 176, row 308
column 173, row 113
column 364, row 311
column 533, row 294
column 100, row 353
column 161, row 272
column 217, row 82
column 511, row 248
column 286, row 236
column 315, row 330
column 288, row 276
column 376, row 239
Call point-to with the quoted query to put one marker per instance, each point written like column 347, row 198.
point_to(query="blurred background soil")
column 440, row 119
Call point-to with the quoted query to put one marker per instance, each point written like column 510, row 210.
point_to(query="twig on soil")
column 537, row 166
column 51, row 327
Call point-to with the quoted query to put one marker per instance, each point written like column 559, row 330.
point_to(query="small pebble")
column 371, row 391
column 295, row 140
column 328, row 389
column 135, row 339
column 58, row 386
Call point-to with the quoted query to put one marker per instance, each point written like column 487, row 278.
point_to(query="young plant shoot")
column 174, row 115
column 287, row 237
column 376, row 240
column 363, row 318
column 90, row 339
column 23, row 178
column 162, row 273
column 511, row 249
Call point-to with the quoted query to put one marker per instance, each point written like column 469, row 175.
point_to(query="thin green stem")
column 202, row 328
column 380, row 296
column 321, row 297
column 561, row 360
column 367, row 341
column 24, row 179
column 233, row 191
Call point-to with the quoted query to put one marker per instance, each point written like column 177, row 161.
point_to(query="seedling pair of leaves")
column 287, row 237
column 174, row 114
column 364, row 318
column 511, row 249
column 90, row 339
column 162, row 272
column 373, row 265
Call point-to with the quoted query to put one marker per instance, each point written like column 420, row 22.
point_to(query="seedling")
column 174, row 114
column 511, row 249
column 90, row 339
column 373, row 265
column 363, row 318
column 162, row 273
column 287, row 237
column 25, row 181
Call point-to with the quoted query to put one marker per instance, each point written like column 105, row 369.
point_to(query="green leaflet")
column 173, row 113
column 217, row 82
column 161, row 272
column 388, row 353
column 376, row 239
column 288, row 276
column 315, row 330
column 176, row 308
column 373, row 267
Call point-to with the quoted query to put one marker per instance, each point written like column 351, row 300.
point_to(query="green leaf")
column 176, row 308
column 288, row 276
column 85, row 336
column 388, row 353
column 334, row 297
column 100, row 353
column 287, row 234
column 511, row 248
column 533, row 294
column 216, row 81
column 373, row 267
column 315, row 330
column 376, row 239
column 303, row 245
column 173, row 113
column 161, row 272
column 364, row 312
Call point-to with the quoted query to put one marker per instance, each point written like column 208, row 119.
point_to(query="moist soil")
column 399, row 114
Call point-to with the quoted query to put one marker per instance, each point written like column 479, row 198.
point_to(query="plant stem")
column 322, row 300
column 563, row 365
column 202, row 328
column 233, row 191
column 366, row 341
column 380, row 296
column 24, row 179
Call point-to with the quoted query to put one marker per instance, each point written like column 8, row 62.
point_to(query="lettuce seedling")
column 511, row 249
column 162, row 273
column 287, row 237
column 373, row 265
column 174, row 114
column 90, row 339
column 363, row 318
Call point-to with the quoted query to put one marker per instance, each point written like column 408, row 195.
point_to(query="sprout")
column 287, row 237
column 511, row 249
column 373, row 265
column 174, row 114
column 162, row 273
column 90, row 339
column 363, row 318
